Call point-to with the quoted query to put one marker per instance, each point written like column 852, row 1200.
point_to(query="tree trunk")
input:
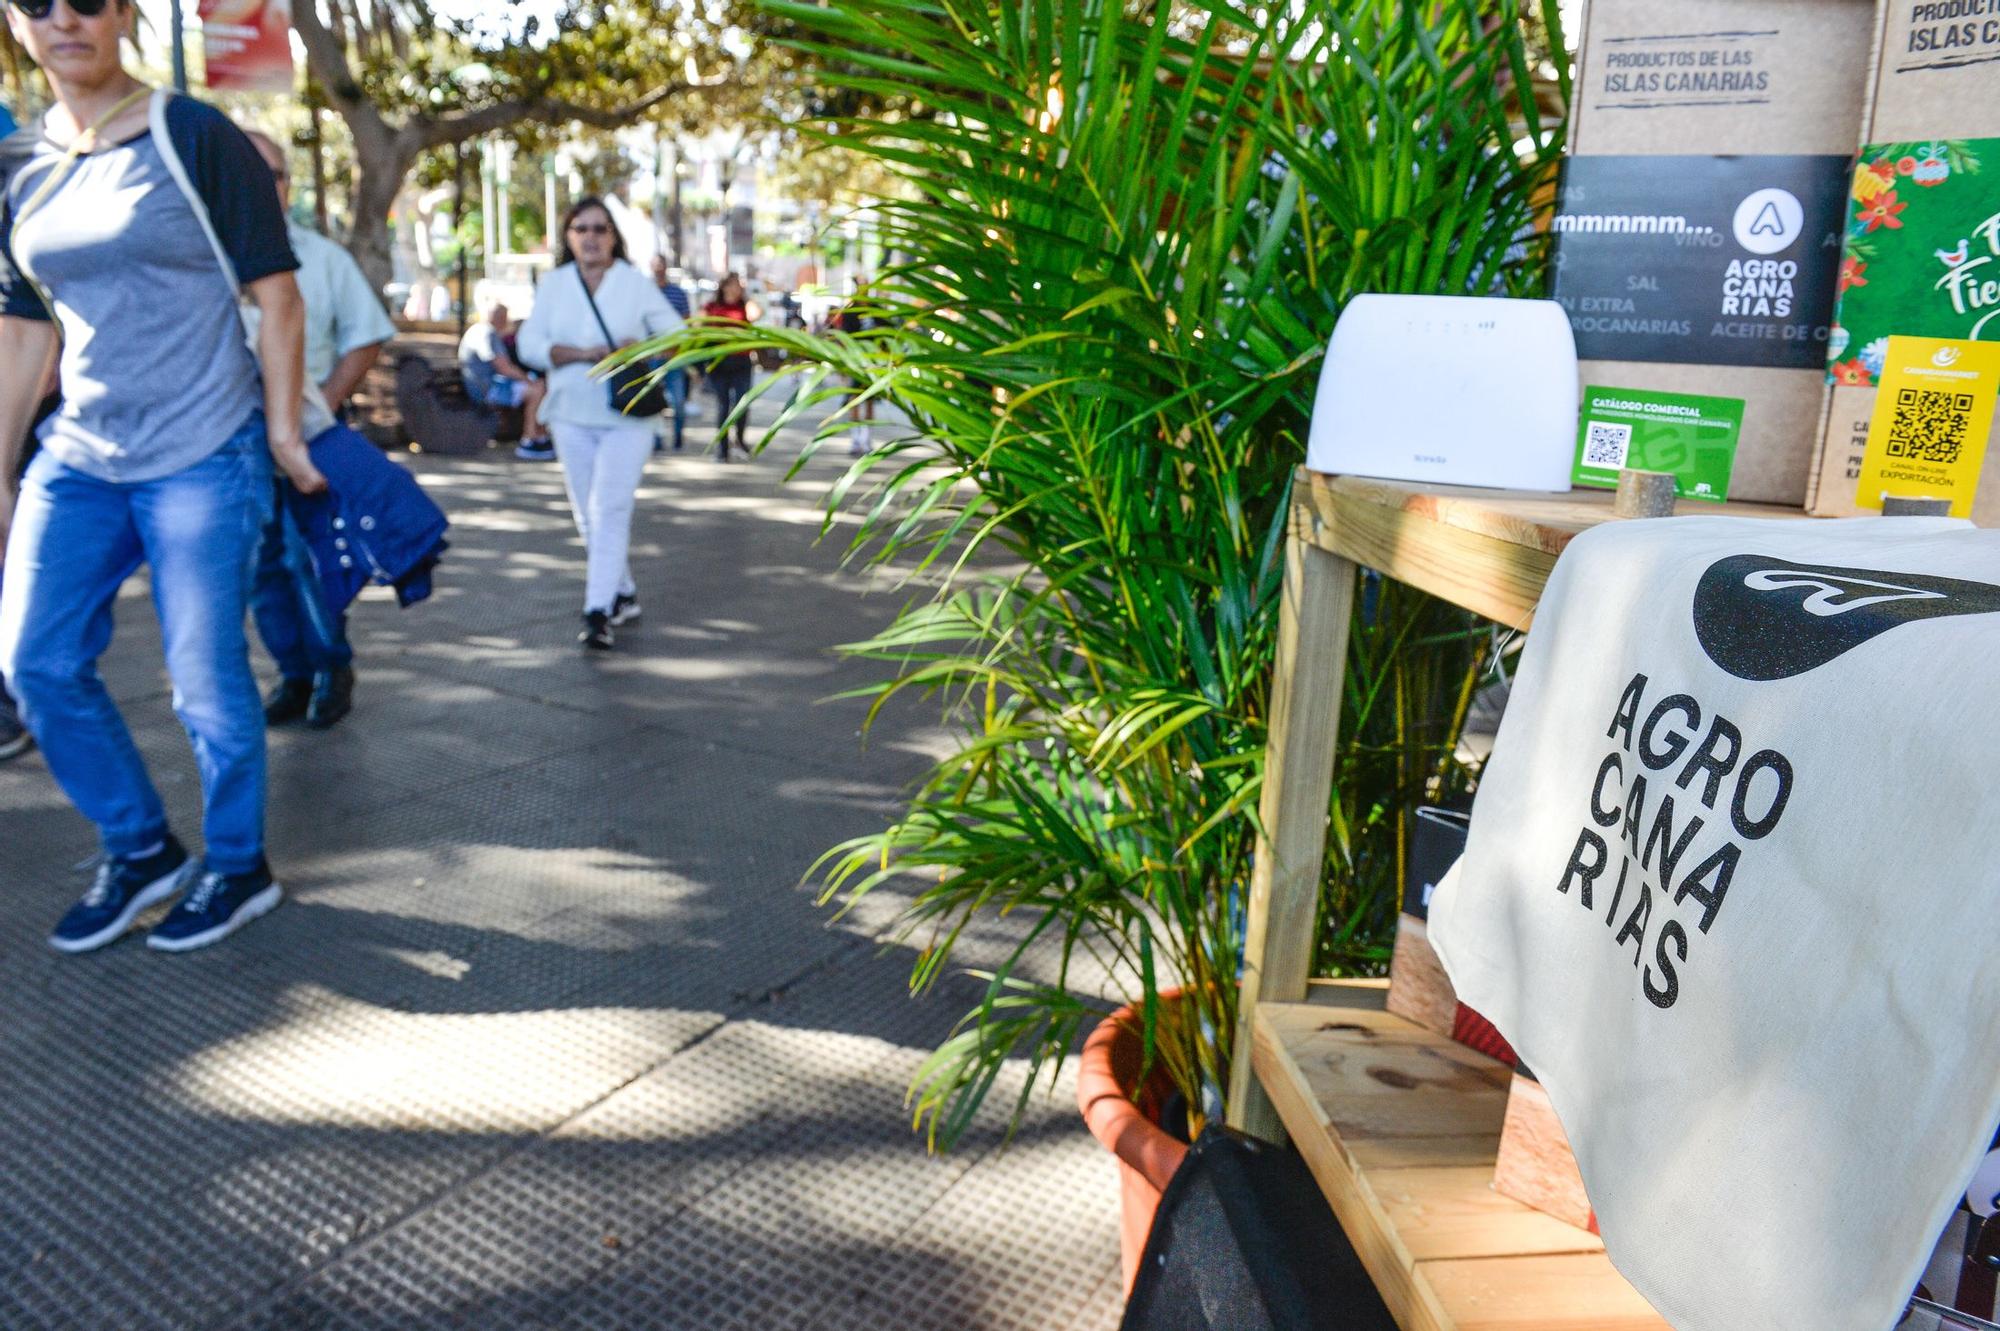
column 316, row 144
column 384, row 153
column 378, row 175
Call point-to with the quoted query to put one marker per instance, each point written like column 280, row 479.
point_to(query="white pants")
column 601, row 468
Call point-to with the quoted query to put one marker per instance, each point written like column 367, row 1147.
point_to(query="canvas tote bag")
column 1732, row 889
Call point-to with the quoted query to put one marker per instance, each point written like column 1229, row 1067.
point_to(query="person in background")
column 160, row 455
column 346, row 329
column 14, row 737
column 493, row 376
column 850, row 320
column 592, row 304
column 731, row 375
column 677, row 379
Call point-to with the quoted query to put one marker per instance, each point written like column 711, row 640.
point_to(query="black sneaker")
column 219, row 905
column 124, row 889
column 597, row 633
column 14, row 737
column 625, row 609
column 287, row 701
column 535, row 450
column 332, row 697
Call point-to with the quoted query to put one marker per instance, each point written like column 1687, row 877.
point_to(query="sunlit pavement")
column 549, row 1033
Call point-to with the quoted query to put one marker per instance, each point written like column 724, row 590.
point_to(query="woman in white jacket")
column 603, row 452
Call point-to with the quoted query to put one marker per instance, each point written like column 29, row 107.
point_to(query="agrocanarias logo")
column 1764, row 618
column 1768, row 221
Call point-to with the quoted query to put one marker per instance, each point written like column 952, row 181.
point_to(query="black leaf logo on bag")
column 1762, row 618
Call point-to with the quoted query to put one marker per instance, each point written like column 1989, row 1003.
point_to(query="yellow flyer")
column 1933, row 411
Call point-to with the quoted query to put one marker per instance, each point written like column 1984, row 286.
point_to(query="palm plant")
column 1127, row 234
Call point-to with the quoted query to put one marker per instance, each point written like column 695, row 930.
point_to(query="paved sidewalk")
column 549, row 1034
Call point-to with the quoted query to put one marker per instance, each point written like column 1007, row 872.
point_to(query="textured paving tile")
column 551, row 1034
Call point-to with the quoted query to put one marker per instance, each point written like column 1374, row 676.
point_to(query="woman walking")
column 593, row 303
column 160, row 455
column 731, row 376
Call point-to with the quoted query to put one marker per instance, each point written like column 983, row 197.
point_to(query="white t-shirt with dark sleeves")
column 155, row 371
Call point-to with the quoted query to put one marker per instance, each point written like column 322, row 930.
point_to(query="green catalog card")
column 1691, row 436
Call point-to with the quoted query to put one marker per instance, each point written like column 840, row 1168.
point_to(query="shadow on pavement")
column 550, row 1032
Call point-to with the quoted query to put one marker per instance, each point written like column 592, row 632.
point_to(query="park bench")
column 439, row 416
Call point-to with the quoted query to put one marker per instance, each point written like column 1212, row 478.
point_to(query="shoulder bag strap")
column 59, row 173
column 318, row 416
column 596, row 313
column 171, row 155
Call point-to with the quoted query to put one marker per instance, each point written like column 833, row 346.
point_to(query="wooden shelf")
column 1488, row 550
column 1400, row 1127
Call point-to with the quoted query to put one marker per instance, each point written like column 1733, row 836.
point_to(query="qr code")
column 1605, row 445
column 1929, row 426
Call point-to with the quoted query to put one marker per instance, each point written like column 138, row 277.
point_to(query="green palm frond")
column 1123, row 244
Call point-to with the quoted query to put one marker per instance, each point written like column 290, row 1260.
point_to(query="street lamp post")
column 549, row 219
column 489, row 201
column 503, row 188
column 680, row 176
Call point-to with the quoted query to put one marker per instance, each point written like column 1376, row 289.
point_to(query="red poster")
column 248, row 44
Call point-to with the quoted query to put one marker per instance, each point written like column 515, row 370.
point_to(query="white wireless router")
column 1452, row 390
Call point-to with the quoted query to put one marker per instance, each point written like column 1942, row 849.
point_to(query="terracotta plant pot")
column 1129, row 1127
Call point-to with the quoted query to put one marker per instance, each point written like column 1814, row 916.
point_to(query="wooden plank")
column 1577, row 1292
column 1536, row 1166
column 1539, row 520
column 1361, row 1216
column 1303, row 1024
column 1454, row 1212
column 1400, row 1127
column 1401, row 1096
column 1359, row 993
column 1492, row 576
column 1544, row 522
column 1490, row 551
column 1418, row 987
column 1298, row 785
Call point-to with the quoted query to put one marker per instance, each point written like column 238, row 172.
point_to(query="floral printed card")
column 1922, row 252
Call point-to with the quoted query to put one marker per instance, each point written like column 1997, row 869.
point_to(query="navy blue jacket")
column 373, row 523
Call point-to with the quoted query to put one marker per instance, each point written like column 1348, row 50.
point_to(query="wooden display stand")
column 1400, row 1125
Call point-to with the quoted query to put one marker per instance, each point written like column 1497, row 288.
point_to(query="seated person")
column 494, row 378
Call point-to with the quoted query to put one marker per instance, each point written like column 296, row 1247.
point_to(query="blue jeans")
column 7, row 712
column 75, row 540
column 302, row 635
column 729, row 382
column 677, row 398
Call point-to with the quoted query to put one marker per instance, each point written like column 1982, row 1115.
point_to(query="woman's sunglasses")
column 41, row 9
column 578, row 228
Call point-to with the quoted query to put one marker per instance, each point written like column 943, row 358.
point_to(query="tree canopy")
column 409, row 78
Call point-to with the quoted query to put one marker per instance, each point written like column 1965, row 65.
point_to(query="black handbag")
column 638, row 388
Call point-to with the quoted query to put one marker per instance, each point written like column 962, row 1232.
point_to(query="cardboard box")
column 1933, row 95
column 1535, row 1165
column 1419, row 990
column 1696, row 243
